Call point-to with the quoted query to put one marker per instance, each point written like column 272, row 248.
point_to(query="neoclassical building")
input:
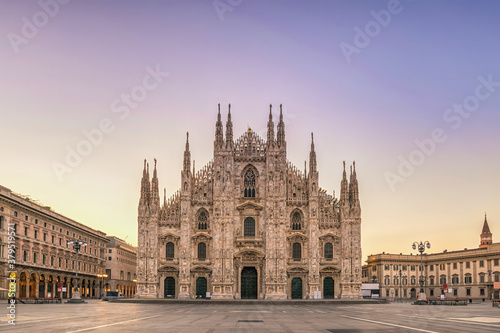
column 249, row 225
column 45, row 265
column 468, row 273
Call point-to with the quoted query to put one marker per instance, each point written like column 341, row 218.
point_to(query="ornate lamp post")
column 77, row 245
column 421, row 248
column 400, row 276
column 102, row 276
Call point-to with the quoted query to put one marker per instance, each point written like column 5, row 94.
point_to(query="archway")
column 328, row 288
column 169, row 285
column 413, row 293
column 50, row 287
column 41, row 287
column 32, row 291
column 249, row 283
column 296, row 288
column 201, row 287
column 23, row 284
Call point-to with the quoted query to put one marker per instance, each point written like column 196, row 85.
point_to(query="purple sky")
column 69, row 75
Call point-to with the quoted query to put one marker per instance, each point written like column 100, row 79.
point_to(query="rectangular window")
column 442, row 266
column 121, row 275
column 468, row 279
column 432, row 292
column 431, row 267
column 481, row 291
column 25, row 255
column 109, row 251
column 387, row 281
column 455, row 292
column 36, row 221
column 60, row 241
column 467, row 264
column 454, row 265
column 51, row 261
column 412, row 267
column 413, row 280
column 36, row 234
column 481, row 263
column 26, row 217
column 59, row 262
column 386, row 267
column 53, row 239
column 109, row 258
column 404, row 267
column 387, row 293
column 43, row 259
column 454, row 280
column 431, row 281
column 44, row 237
column 34, row 257
column 481, row 278
column 15, row 214
column 25, row 231
column 467, row 291
column 396, row 281
column 396, row 267
column 495, row 262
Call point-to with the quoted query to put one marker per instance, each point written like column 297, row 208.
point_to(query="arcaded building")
column 249, row 225
column 44, row 265
column 468, row 273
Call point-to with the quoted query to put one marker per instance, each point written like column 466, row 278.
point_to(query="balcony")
column 249, row 241
column 169, row 261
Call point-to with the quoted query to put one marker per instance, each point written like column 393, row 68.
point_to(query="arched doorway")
column 169, row 287
column 33, row 280
column 41, row 287
column 296, row 288
column 50, row 287
column 328, row 288
column 413, row 293
column 201, row 287
column 23, row 282
column 249, row 283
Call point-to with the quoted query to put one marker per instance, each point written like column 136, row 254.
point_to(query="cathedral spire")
column 281, row 130
column 219, row 135
column 486, row 235
column 155, row 195
column 187, row 155
column 144, row 186
column 343, row 187
column 229, row 130
column 312, row 157
column 270, row 128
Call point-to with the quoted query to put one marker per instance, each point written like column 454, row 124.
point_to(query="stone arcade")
column 249, row 225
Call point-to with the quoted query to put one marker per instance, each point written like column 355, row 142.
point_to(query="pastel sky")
column 368, row 90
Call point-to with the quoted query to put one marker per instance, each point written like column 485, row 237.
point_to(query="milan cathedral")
column 249, row 225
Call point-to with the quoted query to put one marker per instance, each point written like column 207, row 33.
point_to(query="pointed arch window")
column 170, row 250
column 202, row 251
column 297, row 251
column 249, row 184
column 328, row 251
column 296, row 221
column 249, row 227
column 202, row 220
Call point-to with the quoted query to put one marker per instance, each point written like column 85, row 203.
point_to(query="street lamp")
column 77, row 245
column 102, row 276
column 400, row 276
column 421, row 248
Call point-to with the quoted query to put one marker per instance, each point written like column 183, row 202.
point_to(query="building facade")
column 249, row 224
column 468, row 273
column 121, row 266
column 44, row 264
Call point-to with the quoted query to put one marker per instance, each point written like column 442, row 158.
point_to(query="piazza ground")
column 207, row 316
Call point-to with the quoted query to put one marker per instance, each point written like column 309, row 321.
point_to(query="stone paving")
column 208, row 317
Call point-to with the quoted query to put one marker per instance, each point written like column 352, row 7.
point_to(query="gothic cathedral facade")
column 249, row 225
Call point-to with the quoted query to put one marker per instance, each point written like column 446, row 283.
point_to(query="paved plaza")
column 208, row 316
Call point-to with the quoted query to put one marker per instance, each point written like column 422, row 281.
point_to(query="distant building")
column 468, row 273
column 121, row 266
column 249, row 224
column 44, row 263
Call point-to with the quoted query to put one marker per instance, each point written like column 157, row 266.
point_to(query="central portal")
column 249, row 283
